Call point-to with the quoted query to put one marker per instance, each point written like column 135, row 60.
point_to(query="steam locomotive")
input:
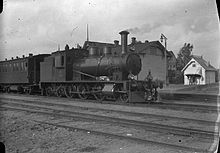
column 80, row 72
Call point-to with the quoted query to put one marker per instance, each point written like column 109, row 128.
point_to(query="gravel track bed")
column 22, row 134
column 88, row 126
column 162, row 139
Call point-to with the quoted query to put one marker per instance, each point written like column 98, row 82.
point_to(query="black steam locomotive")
column 83, row 73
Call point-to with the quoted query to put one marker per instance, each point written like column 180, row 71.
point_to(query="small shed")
column 198, row 72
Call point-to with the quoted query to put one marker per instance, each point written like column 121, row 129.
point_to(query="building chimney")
column 209, row 63
column 12, row 58
column 6, row 59
column 16, row 57
column 23, row 56
column 133, row 40
column 124, row 41
column 67, row 47
column 30, row 54
column 116, row 42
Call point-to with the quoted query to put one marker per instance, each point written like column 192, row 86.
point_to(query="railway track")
column 103, row 111
column 163, row 104
column 165, row 131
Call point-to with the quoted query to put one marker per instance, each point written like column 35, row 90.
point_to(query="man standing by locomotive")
column 149, row 80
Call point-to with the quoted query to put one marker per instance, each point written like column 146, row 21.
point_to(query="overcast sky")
column 38, row 26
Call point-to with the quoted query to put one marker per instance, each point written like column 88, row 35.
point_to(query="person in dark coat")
column 149, row 80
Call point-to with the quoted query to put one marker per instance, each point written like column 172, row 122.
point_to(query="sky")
column 39, row 26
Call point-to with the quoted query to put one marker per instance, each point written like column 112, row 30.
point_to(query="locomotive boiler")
column 114, row 67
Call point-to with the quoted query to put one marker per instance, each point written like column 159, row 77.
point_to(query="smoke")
column 145, row 28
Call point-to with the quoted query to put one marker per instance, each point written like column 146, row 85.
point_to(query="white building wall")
column 194, row 69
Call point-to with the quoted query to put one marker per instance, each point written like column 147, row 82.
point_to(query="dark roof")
column 142, row 47
column 171, row 54
column 96, row 44
column 139, row 46
column 206, row 65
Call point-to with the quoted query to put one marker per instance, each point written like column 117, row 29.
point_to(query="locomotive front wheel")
column 30, row 91
column 8, row 90
column 124, row 97
column 99, row 96
column 60, row 92
column 69, row 91
column 49, row 91
column 82, row 92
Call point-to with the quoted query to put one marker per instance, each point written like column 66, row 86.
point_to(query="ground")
column 21, row 134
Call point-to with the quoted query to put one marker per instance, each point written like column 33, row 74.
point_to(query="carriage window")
column 62, row 60
column 25, row 67
column 22, row 66
column 10, row 69
column 16, row 66
column 5, row 67
column 59, row 61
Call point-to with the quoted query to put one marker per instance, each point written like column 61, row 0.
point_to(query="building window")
column 193, row 65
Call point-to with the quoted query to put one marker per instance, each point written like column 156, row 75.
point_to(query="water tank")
column 93, row 51
column 107, row 51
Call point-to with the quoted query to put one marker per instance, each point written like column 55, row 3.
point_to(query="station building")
column 199, row 72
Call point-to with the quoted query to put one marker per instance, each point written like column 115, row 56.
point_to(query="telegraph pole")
column 162, row 37
column 87, row 32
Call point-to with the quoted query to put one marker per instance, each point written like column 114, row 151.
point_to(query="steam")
column 146, row 28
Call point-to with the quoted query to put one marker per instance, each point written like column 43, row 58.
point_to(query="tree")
column 183, row 57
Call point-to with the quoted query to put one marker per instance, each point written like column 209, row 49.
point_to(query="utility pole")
column 162, row 37
column 87, row 32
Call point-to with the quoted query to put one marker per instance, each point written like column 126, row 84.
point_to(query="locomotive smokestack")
column 124, row 41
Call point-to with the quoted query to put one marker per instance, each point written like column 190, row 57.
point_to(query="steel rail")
column 161, row 104
column 113, row 135
column 148, row 115
column 148, row 125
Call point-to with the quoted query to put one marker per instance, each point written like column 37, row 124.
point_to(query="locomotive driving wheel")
column 49, row 91
column 60, row 91
column 82, row 91
column 124, row 97
column 98, row 94
column 69, row 91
